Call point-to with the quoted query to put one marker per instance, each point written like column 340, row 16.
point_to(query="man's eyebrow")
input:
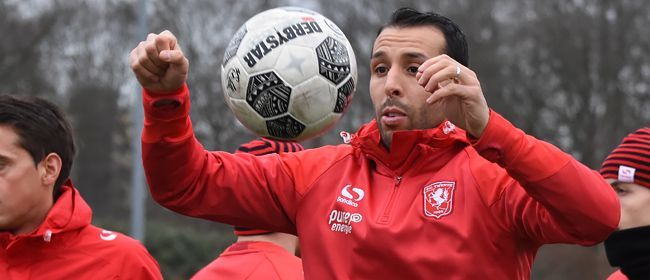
column 417, row 55
column 615, row 183
column 378, row 54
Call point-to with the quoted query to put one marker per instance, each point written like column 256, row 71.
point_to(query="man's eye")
column 381, row 69
column 619, row 190
column 412, row 69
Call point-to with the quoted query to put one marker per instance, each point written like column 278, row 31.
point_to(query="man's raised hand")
column 159, row 63
column 458, row 90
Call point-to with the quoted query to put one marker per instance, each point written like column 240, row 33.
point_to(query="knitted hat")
column 259, row 147
column 630, row 161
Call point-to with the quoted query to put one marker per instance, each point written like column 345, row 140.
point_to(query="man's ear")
column 49, row 169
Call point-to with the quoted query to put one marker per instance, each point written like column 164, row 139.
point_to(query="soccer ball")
column 289, row 73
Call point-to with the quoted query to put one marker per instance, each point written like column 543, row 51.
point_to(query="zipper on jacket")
column 385, row 217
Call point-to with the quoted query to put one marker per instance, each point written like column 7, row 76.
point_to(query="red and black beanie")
column 259, row 147
column 630, row 161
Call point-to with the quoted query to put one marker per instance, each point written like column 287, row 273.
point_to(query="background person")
column 45, row 225
column 258, row 254
column 627, row 169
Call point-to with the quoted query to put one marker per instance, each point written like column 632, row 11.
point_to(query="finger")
column 133, row 57
column 179, row 65
column 165, row 41
column 422, row 69
column 432, row 66
column 434, row 60
column 444, row 83
column 439, row 76
column 152, row 52
column 175, row 57
column 428, row 72
column 451, row 89
column 151, row 38
column 138, row 58
column 431, row 61
column 144, row 58
column 144, row 76
column 448, row 73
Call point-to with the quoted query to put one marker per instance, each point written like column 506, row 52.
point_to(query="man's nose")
column 394, row 82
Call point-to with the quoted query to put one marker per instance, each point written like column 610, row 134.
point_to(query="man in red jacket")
column 45, row 230
column 410, row 196
column 627, row 169
column 258, row 254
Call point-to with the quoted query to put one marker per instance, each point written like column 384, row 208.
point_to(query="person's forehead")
column 624, row 184
column 7, row 134
column 424, row 38
column 9, row 139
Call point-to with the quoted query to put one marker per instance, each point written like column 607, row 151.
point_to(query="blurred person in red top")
column 627, row 169
column 45, row 229
column 258, row 254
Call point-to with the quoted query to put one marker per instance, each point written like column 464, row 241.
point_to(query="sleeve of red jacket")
column 553, row 197
column 242, row 189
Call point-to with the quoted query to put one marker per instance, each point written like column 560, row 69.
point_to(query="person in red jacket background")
column 45, row 230
column 627, row 169
column 258, row 254
column 436, row 186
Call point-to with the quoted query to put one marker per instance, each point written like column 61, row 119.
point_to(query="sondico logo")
column 341, row 221
column 351, row 196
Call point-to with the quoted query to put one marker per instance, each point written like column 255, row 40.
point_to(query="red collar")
column 68, row 213
column 406, row 144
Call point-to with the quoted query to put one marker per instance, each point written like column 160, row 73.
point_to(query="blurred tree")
column 571, row 75
column 570, row 79
column 20, row 63
column 93, row 108
column 81, row 62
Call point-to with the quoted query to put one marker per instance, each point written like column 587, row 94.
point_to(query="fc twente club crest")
column 439, row 199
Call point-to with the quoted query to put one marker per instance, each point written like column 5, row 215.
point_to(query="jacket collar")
column 406, row 144
column 69, row 212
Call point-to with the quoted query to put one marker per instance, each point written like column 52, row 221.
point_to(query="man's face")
column 398, row 100
column 635, row 204
column 23, row 196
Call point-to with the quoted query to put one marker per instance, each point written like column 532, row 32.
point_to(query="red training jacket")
column 67, row 246
column 617, row 275
column 253, row 260
column 435, row 206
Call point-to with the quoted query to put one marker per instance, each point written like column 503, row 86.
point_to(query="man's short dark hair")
column 457, row 47
column 42, row 129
